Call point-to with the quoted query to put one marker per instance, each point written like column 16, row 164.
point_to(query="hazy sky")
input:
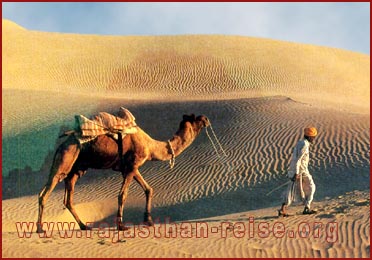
column 340, row 25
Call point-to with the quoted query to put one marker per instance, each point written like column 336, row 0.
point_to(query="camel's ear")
column 185, row 117
column 190, row 118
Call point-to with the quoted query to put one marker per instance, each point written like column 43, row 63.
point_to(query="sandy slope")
column 184, row 66
column 254, row 92
column 348, row 214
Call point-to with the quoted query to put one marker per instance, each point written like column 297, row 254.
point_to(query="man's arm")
column 300, row 152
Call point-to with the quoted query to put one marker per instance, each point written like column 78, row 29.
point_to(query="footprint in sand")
column 342, row 209
column 361, row 202
column 321, row 246
column 103, row 242
column 327, row 215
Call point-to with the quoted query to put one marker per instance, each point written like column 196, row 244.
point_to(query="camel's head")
column 196, row 123
column 193, row 124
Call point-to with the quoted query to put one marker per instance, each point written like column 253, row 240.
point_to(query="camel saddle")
column 105, row 123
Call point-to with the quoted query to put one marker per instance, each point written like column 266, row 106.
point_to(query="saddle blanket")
column 105, row 123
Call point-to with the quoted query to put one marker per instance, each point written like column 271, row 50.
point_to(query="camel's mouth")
column 205, row 121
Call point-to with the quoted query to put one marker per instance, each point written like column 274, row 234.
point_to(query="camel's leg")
column 123, row 194
column 70, row 182
column 43, row 196
column 64, row 159
column 149, row 193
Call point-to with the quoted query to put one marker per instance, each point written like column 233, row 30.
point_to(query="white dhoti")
column 293, row 192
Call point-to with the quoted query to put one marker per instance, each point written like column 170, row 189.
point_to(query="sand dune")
column 202, row 185
column 258, row 94
column 196, row 67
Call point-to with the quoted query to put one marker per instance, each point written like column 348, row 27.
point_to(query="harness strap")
column 172, row 161
column 120, row 149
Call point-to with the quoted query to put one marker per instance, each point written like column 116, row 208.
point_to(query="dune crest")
column 9, row 26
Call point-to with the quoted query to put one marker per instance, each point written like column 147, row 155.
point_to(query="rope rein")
column 172, row 161
column 218, row 142
column 210, row 139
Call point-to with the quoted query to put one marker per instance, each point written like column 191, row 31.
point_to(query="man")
column 298, row 172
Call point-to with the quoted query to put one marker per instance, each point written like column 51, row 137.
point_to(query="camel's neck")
column 179, row 144
column 162, row 151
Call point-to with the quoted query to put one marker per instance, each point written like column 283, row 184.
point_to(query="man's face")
column 311, row 139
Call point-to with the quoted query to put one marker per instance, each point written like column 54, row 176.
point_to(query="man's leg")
column 310, row 187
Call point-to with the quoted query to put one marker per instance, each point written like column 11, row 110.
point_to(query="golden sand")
column 258, row 94
column 197, row 67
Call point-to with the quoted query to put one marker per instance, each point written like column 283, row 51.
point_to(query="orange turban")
column 310, row 131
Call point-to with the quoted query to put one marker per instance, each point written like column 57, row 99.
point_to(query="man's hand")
column 295, row 177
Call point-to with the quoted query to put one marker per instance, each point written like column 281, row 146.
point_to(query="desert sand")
column 258, row 93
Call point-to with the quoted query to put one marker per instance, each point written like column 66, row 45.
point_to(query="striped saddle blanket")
column 105, row 123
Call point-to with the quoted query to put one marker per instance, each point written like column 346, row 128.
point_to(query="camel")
column 72, row 160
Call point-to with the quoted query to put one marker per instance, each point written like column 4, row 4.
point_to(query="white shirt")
column 300, row 159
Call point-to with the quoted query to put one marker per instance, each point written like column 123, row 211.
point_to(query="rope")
column 277, row 188
column 210, row 139
column 172, row 161
column 218, row 142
